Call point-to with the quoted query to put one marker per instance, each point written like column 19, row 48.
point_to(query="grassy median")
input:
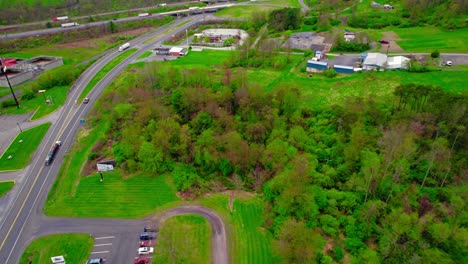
column 18, row 154
column 75, row 248
column 5, row 186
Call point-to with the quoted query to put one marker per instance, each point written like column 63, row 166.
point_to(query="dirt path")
column 392, row 37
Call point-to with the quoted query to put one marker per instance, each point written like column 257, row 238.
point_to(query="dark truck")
column 52, row 153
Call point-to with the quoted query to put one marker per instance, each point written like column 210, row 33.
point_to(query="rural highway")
column 23, row 220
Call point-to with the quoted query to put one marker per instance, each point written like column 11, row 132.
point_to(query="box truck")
column 62, row 18
column 124, row 46
column 53, row 151
column 70, row 24
column 144, row 14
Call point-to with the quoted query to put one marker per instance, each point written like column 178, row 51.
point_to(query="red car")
column 147, row 243
column 141, row 260
column 383, row 41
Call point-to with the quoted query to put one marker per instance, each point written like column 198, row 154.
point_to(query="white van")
column 124, row 46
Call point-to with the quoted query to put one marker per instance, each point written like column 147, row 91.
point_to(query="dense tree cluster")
column 285, row 19
column 381, row 182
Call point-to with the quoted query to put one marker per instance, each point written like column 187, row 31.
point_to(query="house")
column 343, row 69
column 348, row 36
column 397, row 62
column 374, row 61
column 177, row 51
column 387, row 6
column 316, row 66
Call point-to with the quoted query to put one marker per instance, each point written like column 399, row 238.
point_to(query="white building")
column 374, row 61
column 397, row 62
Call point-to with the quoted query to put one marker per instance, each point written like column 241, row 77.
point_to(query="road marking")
column 100, row 252
column 100, row 245
column 104, row 237
column 21, row 209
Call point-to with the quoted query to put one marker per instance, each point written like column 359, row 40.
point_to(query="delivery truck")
column 124, row 47
column 70, row 24
column 62, row 18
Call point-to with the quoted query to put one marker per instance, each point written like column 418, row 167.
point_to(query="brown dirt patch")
column 392, row 37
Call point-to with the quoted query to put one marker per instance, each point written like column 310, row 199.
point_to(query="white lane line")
column 104, row 237
column 100, row 252
column 100, row 245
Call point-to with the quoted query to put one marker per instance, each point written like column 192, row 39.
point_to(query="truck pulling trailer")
column 52, row 153
column 70, row 24
column 124, row 46
column 62, row 18
column 144, row 14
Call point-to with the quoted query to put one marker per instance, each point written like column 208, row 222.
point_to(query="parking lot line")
column 104, row 237
column 99, row 245
column 100, row 252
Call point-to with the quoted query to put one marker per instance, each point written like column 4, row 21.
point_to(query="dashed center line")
column 104, row 237
column 100, row 245
column 100, row 252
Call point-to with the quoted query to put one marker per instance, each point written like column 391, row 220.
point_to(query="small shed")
column 316, row 66
column 343, row 69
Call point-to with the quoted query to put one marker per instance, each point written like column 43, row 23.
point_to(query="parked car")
column 145, row 250
column 141, row 260
column 449, row 63
column 383, row 41
column 149, row 229
column 148, row 235
column 147, row 243
column 86, row 100
column 95, row 261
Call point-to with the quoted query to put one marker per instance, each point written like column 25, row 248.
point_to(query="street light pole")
column 9, row 84
column 21, row 130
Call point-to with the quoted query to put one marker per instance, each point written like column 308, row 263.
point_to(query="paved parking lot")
column 102, row 248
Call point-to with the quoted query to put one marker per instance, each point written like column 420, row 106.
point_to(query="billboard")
column 106, row 165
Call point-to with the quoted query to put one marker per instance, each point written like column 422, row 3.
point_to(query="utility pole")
column 4, row 69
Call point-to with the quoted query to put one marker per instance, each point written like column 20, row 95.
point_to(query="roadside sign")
column 105, row 167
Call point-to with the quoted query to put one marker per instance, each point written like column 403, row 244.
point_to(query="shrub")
column 93, row 156
column 435, row 54
column 330, row 73
column 8, row 103
column 338, row 253
column 28, row 95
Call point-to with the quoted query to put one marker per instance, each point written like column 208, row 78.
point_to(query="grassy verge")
column 244, row 12
column 22, row 148
column 75, row 248
column 145, row 54
column 56, row 95
column 248, row 241
column 79, row 196
column 5, row 186
column 103, row 72
column 205, row 58
column 184, row 239
column 428, row 39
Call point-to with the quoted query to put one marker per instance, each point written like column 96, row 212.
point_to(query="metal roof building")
column 374, row 61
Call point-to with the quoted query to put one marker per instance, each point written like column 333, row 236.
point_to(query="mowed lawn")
column 206, row 58
column 5, row 186
column 75, row 248
column 79, row 196
column 244, row 12
column 248, row 241
column 22, row 148
column 184, row 239
column 428, row 39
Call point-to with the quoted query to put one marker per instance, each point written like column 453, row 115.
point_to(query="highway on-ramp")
column 23, row 220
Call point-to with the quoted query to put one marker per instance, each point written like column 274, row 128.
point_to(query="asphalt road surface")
column 23, row 219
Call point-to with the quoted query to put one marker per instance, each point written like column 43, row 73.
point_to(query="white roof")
column 397, row 62
column 375, row 59
column 175, row 49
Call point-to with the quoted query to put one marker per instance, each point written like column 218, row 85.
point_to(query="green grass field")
column 184, row 239
column 5, row 186
column 204, row 59
column 56, row 95
column 248, row 241
column 145, row 54
column 79, row 196
column 244, row 12
column 428, row 39
column 22, row 148
column 103, row 72
column 75, row 248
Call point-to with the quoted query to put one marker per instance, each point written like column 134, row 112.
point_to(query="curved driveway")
column 22, row 220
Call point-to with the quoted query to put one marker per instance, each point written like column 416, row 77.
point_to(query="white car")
column 449, row 63
column 145, row 250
